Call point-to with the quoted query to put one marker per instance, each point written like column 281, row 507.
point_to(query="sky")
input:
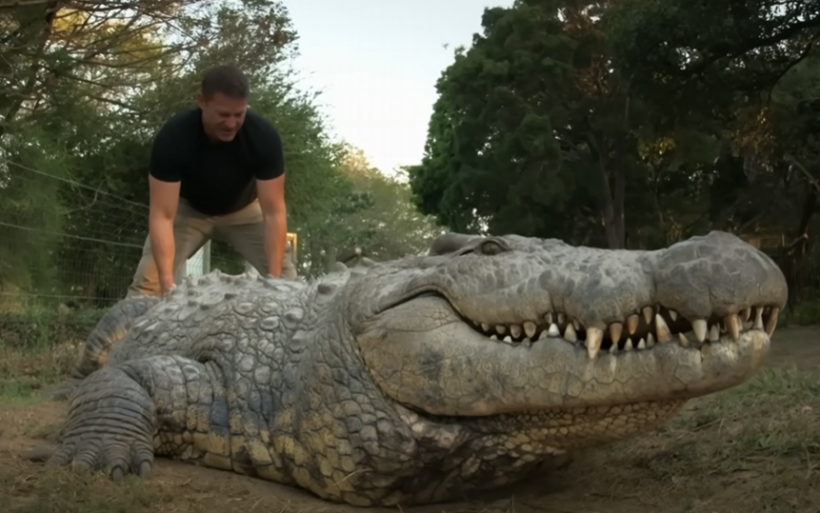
column 376, row 63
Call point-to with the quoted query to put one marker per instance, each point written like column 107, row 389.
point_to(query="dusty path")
column 592, row 484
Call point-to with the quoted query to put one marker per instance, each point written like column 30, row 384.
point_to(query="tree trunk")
column 613, row 189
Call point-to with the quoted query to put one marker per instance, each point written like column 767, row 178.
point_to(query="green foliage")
column 803, row 314
column 709, row 53
column 637, row 122
column 29, row 200
column 387, row 225
column 530, row 133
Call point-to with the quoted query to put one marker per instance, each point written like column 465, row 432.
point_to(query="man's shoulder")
column 258, row 125
column 264, row 146
column 175, row 141
column 181, row 126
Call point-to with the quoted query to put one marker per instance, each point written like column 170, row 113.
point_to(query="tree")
column 532, row 132
column 391, row 226
column 569, row 119
column 748, row 72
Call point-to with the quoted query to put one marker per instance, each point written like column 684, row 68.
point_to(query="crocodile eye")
column 491, row 247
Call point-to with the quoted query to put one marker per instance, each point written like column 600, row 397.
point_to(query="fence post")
column 206, row 257
column 197, row 265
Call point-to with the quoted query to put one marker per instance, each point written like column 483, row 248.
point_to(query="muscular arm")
column 164, row 184
column 274, row 211
column 164, row 201
column 270, row 186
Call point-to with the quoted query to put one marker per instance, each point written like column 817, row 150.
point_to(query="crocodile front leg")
column 113, row 326
column 122, row 416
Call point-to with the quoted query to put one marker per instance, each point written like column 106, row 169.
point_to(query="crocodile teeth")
column 700, row 328
column 662, row 330
column 632, row 323
column 594, row 338
column 615, row 330
column 758, row 318
column 732, row 326
column 771, row 323
column 640, row 335
column 570, row 334
column 515, row 330
column 529, row 329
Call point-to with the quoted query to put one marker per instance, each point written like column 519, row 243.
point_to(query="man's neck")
column 212, row 138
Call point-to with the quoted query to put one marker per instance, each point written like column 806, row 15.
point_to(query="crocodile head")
column 507, row 350
column 486, row 326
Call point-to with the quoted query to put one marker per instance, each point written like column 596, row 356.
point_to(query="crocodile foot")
column 110, row 453
column 109, row 427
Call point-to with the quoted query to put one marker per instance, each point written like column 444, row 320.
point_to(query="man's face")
column 222, row 115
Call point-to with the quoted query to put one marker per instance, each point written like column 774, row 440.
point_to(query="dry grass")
column 25, row 374
column 755, row 448
column 63, row 492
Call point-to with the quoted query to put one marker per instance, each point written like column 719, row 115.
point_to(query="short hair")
column 226, row 79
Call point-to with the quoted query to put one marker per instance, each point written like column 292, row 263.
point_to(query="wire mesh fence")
column 68, row 251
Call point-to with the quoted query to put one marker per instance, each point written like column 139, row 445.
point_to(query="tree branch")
column 812, row 180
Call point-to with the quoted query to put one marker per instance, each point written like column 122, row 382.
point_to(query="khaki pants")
column 244, row 230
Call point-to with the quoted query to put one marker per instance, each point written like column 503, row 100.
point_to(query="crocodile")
column 423, row 379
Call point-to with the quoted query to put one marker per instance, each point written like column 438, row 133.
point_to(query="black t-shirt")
column 217, row 177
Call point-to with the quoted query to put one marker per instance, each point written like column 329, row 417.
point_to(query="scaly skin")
column 367, row 387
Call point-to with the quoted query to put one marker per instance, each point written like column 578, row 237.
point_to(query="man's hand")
column 272, row 201
column 166, row 285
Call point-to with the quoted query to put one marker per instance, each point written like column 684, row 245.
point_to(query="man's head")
column 223, row 98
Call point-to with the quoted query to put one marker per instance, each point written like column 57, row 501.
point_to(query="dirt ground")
column 752, row 449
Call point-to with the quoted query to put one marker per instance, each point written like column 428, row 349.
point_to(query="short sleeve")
column 271, row 161
column 164, row 166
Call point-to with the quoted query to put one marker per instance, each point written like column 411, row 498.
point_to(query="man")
column 216, row 172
